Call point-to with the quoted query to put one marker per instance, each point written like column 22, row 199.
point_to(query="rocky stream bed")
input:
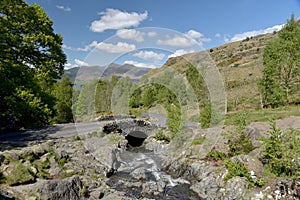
column 104, row 166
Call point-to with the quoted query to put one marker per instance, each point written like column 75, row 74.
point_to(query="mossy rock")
column 18, row 174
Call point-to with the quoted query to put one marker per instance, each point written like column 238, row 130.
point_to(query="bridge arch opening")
column 136, row 138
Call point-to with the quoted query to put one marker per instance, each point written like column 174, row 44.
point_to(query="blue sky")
column 97, row 32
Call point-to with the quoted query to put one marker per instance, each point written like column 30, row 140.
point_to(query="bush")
column 236, row 169
column 241, row 144
column 76, row 138
column 240, row 169
column 281, row 154
column 161, row 136
column 216, row 155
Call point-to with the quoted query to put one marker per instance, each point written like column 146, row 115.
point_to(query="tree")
column 281, row 59
column 63, row 107
column 31, row 60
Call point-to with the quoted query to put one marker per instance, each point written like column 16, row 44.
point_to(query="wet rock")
column 139, row 173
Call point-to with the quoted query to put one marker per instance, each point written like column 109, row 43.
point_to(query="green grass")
column 161, row 136
column 198, row 140
column 19, row 175
column 263, row 115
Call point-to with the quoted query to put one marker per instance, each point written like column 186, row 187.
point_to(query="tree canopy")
column 281, row 72
column 31, row 60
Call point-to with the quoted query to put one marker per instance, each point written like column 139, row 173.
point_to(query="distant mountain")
column 87, row 73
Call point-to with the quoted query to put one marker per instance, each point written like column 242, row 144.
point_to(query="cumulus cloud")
column 194, row 34
column 149, row 55
column 152, row 34
column 218, row 35
column 77, row 63
column 188, row 39
column 85, row 48
column 116, row 19
column 178, row 41
column 244, row 35
column 180, row 52
column 130, row 34
column 80, row 62
column 120, row 47
column 139, row 64
column 67, row 9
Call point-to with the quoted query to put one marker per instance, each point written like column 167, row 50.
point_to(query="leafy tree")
column 281, row 65
column 31, row 59
column 63, row 107
column 85, row 104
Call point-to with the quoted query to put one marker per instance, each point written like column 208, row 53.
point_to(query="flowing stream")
column 140, row 174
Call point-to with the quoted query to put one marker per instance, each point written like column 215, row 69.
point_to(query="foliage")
column 42, row 168
column 282, row 150
column 19, row 175
column 198, row 140
column 62, row 161
column 197, row 82
column 240, row 169
column 63, row 107
column 241, row 143
column 76, row 138
column 281, row 66
column 216, row 155
column 85, row 105
column 236, row 169
column 83, row 191
column 161, row 136
column 205, row 116
column 2, row 178
column 31, row 60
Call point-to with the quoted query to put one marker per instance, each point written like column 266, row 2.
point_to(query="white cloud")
column 188, row 39
column 80, row 63
column 180, row 52
column 130, row 34
column 149, row 55
column 194, row 34
column 69, row 66
column 218, row 35
column 77, row 63
column 85, row 48
column 178, row 41
column 120, row 47
column 139, row 64
column 244, row 35
column 67, row 9
column 116, row 19
column 152, row 34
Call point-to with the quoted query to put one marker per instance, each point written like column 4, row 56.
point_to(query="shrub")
column 216, row 155
column 161, row 136
column 281, row 153
column 236, row 169
column 76, row 137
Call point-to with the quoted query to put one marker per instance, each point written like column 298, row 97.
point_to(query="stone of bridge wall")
column 126, row 126
column 115, row 117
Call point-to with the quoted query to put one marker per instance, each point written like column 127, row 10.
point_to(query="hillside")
column 87, row 73
column 240, row 64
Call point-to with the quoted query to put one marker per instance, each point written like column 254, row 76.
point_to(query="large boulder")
column 60, row 189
